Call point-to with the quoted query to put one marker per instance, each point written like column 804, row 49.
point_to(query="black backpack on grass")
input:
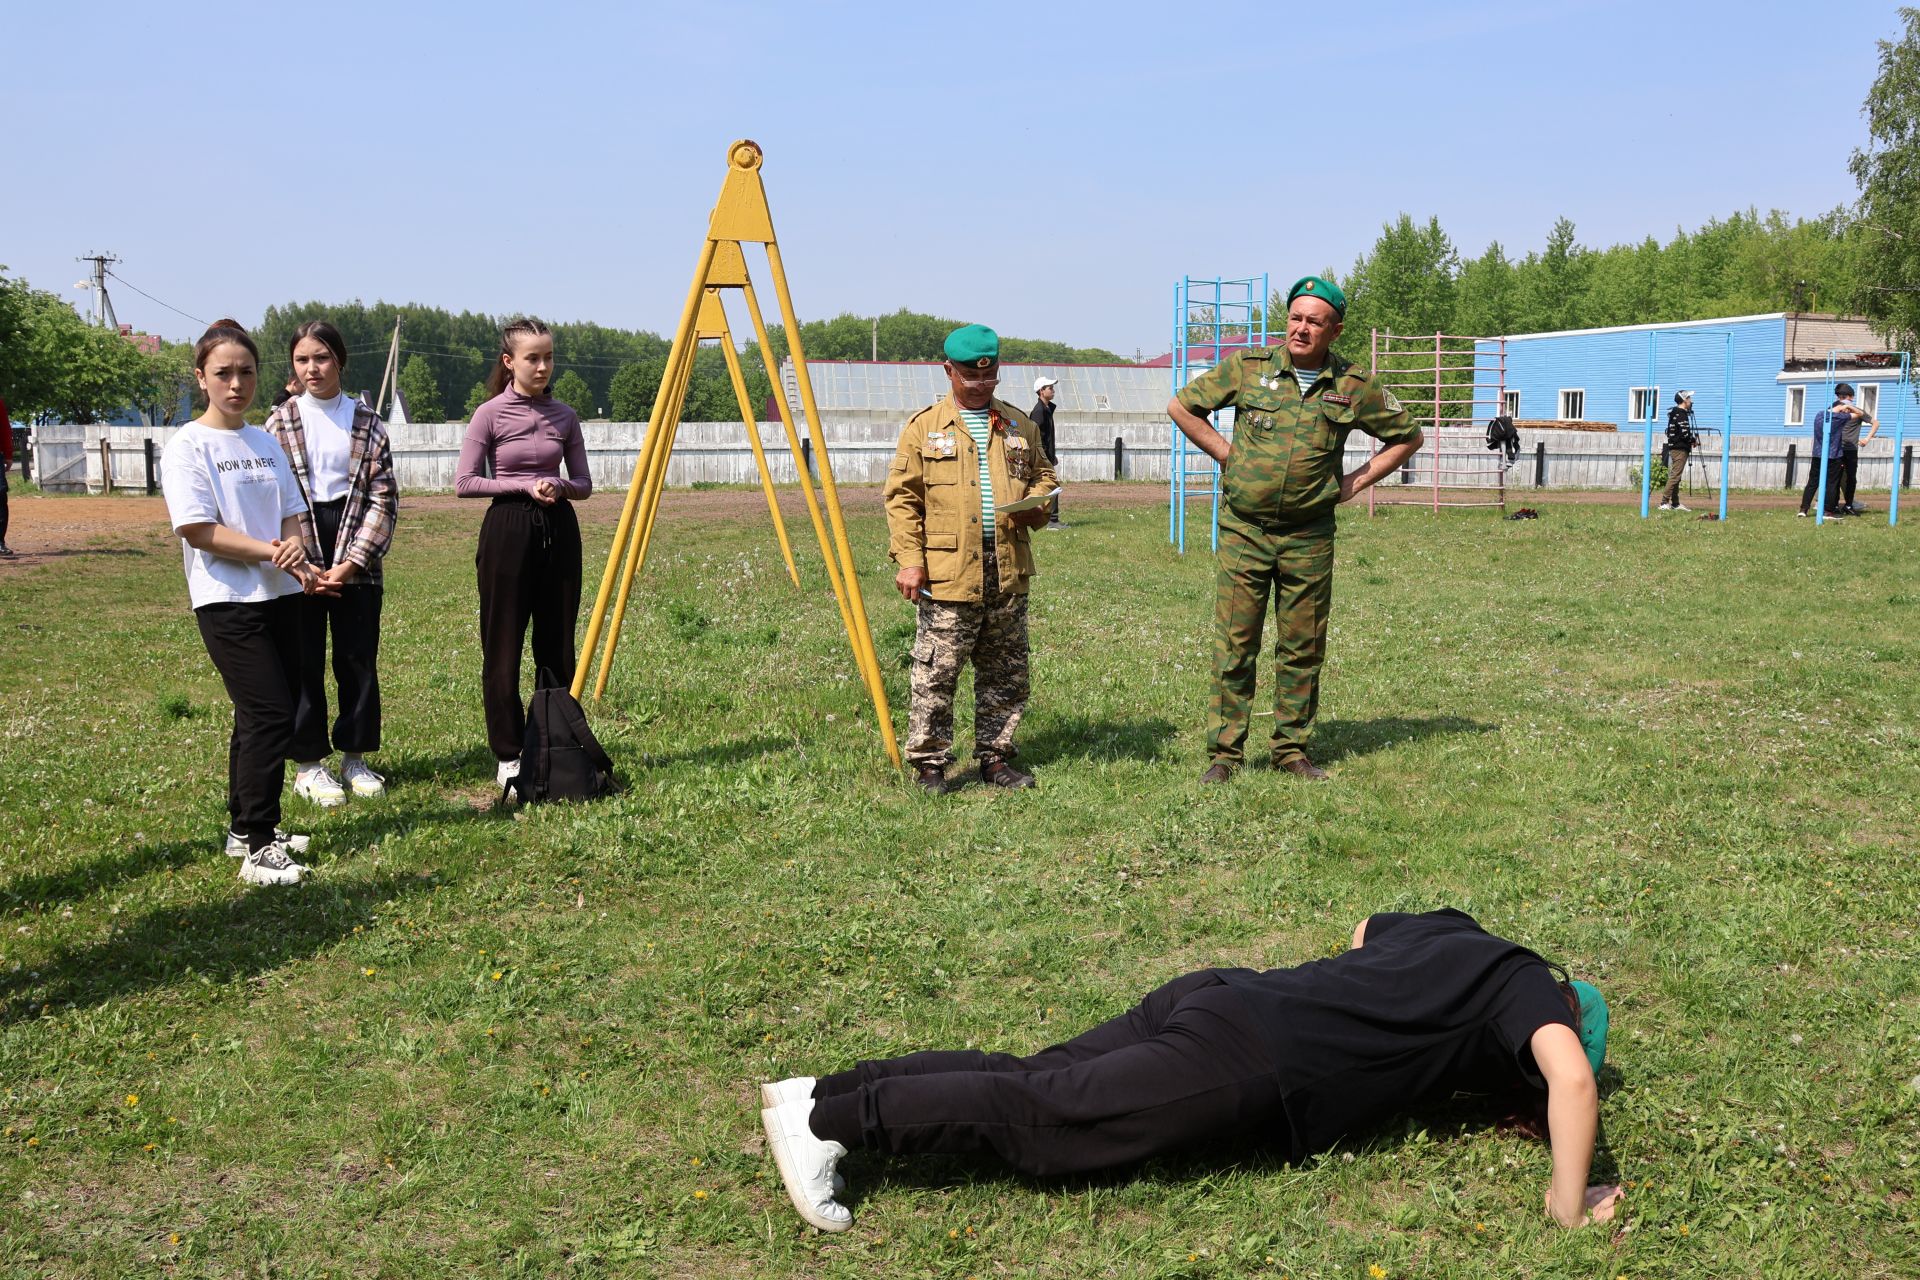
column 560, row 759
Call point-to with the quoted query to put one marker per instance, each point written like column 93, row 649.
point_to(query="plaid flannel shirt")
column 373, row 496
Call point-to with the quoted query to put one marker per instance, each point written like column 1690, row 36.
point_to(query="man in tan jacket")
column 964, row 564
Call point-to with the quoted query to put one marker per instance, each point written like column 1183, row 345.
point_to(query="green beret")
column 973, row 346
column 1325, row 290
column 1593, row 1024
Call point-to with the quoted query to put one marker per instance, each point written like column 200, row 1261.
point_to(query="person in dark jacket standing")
column 1681, row 442
column 1042, row 415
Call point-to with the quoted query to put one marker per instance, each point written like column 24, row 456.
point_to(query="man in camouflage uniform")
column 1281, row 478
column 962, row 563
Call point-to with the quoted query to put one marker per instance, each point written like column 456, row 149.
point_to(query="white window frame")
column 1870, row 398
column 1652, row 403
column 1563, row 404
column 1796, row 417
column 1510, row 403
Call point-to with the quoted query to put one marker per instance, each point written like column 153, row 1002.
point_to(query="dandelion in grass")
column 133, row 1099
column 498, row 974
column 151, row 1146
column 699, row 1195
column 368, row 973
column 173, row 1237
column 33, row 1142
column 1377, row 1271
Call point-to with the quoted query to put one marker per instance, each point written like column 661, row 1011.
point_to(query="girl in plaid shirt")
column 341, row 457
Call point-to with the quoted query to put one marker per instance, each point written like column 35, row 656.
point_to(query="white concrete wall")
column 862, row 444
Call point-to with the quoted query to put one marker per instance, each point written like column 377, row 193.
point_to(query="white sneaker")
column 237, row 843
column 1681, row 506
column 798, row 1089
column 271, row 865
column 1665, row 506
column 507, row 772
column 806, row 1164
column 316, row 782
column 776, row 1093
column 366, row 784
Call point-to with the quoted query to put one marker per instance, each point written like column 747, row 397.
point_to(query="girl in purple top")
column 529, row 558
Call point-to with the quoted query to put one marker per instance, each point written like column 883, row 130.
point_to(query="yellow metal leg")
column 752, row 422
column 676, row 379
column 622, row 531
column 799, row 461
column 862, row 638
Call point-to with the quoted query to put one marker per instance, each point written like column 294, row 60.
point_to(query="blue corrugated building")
column 1774, row 364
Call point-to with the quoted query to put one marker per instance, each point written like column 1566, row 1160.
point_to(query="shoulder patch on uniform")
column 1393, row 404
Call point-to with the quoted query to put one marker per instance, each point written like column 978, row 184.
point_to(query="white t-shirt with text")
column 240, row 479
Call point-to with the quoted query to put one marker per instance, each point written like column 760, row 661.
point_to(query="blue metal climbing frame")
column 1212, row 318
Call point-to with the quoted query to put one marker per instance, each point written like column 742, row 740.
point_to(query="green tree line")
column 1414, row 279
column 53, row 363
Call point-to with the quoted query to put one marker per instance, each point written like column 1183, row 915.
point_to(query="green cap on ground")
column 1593, row 1024
column 973, row 346
column 1325, row 290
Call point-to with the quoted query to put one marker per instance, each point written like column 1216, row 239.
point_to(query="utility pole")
column 393, row 362
column 876, row 339
column 100, row 262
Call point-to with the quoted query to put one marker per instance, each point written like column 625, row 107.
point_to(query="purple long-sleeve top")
column 527, row 438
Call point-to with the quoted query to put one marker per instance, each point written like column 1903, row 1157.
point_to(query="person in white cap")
column 1042, row 415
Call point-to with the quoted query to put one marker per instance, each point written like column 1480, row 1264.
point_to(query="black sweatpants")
column 1849, row 472
column 1813, row 482
column 354, row 619
column 3, row 504
column 529, row 568
column 1185, row 1065
column 256, row 649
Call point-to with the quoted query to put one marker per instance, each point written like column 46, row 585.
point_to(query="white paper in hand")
column 1029, row 503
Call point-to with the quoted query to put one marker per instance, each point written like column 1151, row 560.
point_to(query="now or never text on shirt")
column 240, row 479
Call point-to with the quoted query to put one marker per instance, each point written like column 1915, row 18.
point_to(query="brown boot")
column 1001, row 774
column 932, row 779
column 1301, row 767
column 1217, row 772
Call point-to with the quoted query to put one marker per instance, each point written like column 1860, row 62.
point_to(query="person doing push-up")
column 1422, row 1007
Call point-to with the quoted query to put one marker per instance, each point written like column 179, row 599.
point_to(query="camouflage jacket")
column 1284, row 465
column 933, row 498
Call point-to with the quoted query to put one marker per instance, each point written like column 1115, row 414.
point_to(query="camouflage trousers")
column 1295, row 568
column 993, row 636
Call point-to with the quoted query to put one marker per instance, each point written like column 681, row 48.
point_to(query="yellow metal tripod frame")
column 740, row 215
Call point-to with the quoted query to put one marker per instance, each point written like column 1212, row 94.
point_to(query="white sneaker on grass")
column 316, row 782
column 237, row 843
column 364, row 782
column 1681, row 506
column 1666, row 506
column 507, row 772
column 271, row 864
column 798, row 1089
column 806, row 1164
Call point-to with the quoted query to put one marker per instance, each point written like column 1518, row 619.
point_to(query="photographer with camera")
column 1681, row 442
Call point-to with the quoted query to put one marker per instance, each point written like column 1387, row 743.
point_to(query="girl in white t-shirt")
column 232, row 498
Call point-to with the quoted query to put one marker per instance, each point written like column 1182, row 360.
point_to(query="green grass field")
column 1681, row 756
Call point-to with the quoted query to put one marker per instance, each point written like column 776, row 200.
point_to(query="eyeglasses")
column 965, row 381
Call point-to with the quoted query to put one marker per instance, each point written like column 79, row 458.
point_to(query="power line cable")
column 150, row 298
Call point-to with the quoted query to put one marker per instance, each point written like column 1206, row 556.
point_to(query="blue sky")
column 1046, row 169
